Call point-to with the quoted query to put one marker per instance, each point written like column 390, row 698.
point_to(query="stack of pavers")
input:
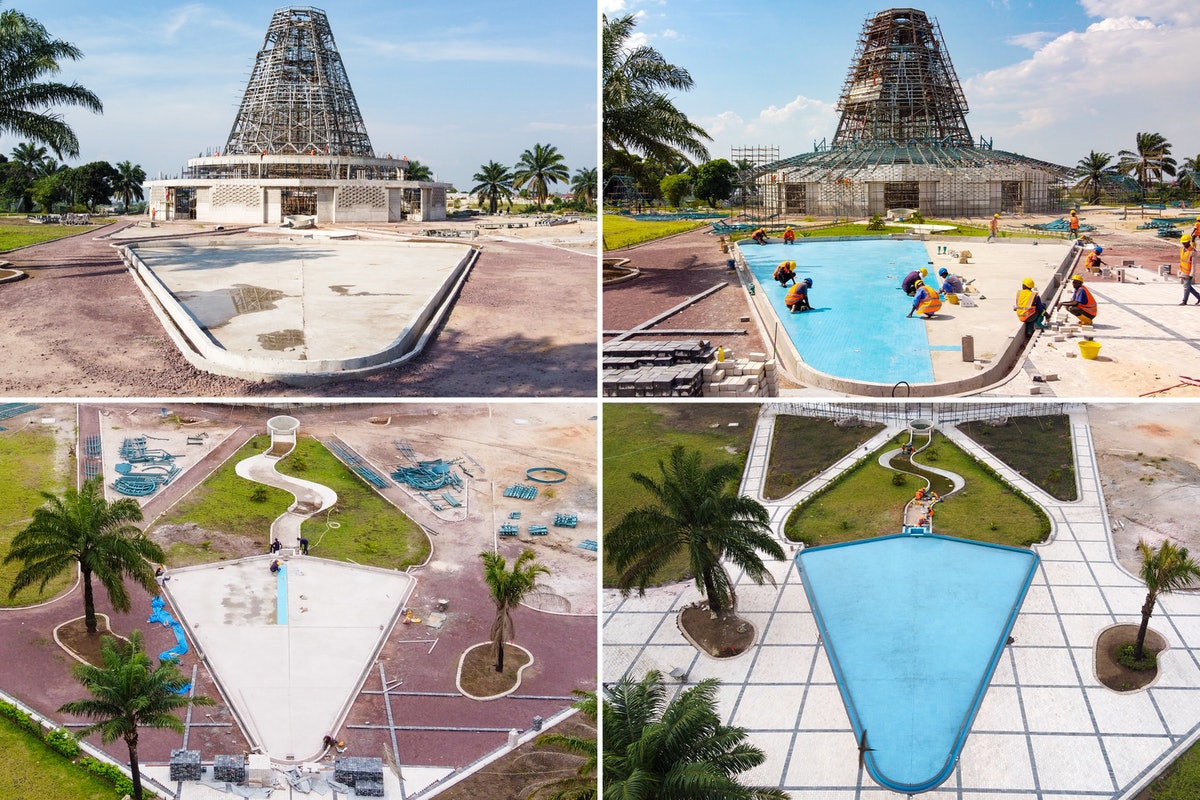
column 364, row 774
column 10, row 410
column 185, row 765
column 521, row 491
column 360, row 467
column 566, row 520
column 91, row 456
column 229, row 769
column 656, row 369
column 538, row 530
column 508, row 529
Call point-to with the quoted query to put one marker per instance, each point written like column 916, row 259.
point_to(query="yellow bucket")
column 1089, row 349
column 952, row 299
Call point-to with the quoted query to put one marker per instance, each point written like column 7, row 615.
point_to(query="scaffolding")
column 902, row 141
column 748, row 159
column 621, row 192
column 298, row 99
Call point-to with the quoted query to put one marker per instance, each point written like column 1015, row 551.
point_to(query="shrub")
column 259, row 494
column 109, row 772
column 22, row 719
column 62, row 742
column 1125, row 658
column 876, row 223
column 899, row 479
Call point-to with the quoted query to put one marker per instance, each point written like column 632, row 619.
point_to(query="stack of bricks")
column 655, row 369
column 364, row 774
column 229, row 769
column 739, row 378
column 185, row 765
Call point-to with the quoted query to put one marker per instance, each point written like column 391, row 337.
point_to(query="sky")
column 1046, row 79
column 453, row 84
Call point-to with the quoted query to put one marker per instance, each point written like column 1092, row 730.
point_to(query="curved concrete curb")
column 462, row 659
column 261, row 469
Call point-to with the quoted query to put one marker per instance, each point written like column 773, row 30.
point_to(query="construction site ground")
column 436, row 729
column 1147, row 339
column 79, row 327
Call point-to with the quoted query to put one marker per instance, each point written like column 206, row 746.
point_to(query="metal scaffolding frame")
column 298, row 99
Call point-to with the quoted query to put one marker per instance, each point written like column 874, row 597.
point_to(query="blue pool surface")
column 281, row 601
column 913, row 627
column 857, row 328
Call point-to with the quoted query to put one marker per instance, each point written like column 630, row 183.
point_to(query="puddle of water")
column 281, row 340
column 215, row 308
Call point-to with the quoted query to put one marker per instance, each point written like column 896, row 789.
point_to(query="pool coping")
column 980, row 691
column 788, row 357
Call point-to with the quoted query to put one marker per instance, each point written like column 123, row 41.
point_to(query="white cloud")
column 1179, row 12
column 1032, row 40
column 611, row 7
column 669, row 34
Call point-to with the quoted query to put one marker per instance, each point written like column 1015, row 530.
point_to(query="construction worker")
column 994, row 227
column 1029, row 307
column 786, row 271
column 951, row 284
column 797, row 296
column 909, row 284
column 1196, row 228
column 1074, row 223
column 926, row 301
column 1186, row 259
column 789, row 235
column 1082, row 304
column 1093, row 263
column 760, row 236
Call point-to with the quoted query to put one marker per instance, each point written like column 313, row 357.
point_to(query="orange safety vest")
column 798, row 291
column 1074, row 223
column 1026, row 310
column 928, row 301
column 1088, row 306
column 1185, row 261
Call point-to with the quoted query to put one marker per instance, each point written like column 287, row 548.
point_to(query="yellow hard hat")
column 1077, row 278
column 1197, row 219
column 1072, row 212
column 1187, row 237
column 997, row 216
column 791, row 263
column 924, row 272
column 1027, row 283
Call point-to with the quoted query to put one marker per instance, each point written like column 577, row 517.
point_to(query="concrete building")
column 298, row 146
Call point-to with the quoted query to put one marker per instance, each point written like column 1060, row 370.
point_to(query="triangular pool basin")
column 913, row 626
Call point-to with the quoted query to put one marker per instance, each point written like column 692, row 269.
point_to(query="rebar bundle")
column 298, row 99
column 902, row 86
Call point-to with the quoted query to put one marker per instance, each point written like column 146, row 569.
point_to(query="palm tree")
column 1150, row 161
column 128, row 182
column 536, row 169
column 508, row 588
column 1092, row 171
column 1167, row 569
column 418, row 171
column 494, row 182
column 638, row 114
column 82, row 527
column 677, row 749
column 1189, row 174
column 128, row 693
column 583, row 185
column 27, row 53
column 29, row 154
column 695, row 513
column 581, row 785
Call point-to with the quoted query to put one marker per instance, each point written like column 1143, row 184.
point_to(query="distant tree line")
column 31, row 181
column 531, row 177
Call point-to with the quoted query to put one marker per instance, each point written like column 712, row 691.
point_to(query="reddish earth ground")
column 79, row 327
column 674, row 269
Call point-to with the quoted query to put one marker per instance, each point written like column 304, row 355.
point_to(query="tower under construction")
column 903, row 141
column 298, row 146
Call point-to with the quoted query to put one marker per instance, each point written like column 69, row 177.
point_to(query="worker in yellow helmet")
column 1186, row 259
column 994, row 228
column 909, row 284
column 1030, row 307
column 1074, row 224
column 786, row 271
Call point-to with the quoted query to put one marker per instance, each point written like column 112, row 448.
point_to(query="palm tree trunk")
column 710, row 591
column 89, row 602
column 500, row 656
column 133, row 766
column 1147, row 610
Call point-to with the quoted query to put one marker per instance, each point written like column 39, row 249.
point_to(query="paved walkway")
column 1047, row 729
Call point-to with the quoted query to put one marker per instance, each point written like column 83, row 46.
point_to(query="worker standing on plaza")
column 1030, row 307
column 1082, row 304
column 1186, row 262
column 1074, row 223
column 994, row 227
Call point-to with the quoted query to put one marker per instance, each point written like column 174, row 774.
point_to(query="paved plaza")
column 1047, row 729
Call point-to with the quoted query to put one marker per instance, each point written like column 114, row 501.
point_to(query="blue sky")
column 453, row 84
column 1052, row 80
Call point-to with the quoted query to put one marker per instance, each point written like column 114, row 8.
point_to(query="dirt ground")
column 1149, row 457
column 79, row 327
column 1112, row 673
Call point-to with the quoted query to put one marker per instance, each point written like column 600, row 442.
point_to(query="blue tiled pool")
column 857, row 328
column 913, row 627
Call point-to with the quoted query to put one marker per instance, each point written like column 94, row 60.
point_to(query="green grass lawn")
column 30, row 769
column 866, row 502
column 1039, row 448
column 371, row 530
column 16, row 232
column 638, row 436
column 804, row 446
column 1181, row 781
column 622, row 231
column 26, row 469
